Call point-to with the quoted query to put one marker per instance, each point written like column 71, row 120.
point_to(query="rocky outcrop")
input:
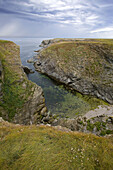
column 85, row 66
column 98, row 121
column 46, row 43
column 27, row 70
column 22, row 101
column 31, row 60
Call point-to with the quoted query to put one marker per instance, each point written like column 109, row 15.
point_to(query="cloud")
column 106, row 29
column 53, row 10
column 87, row 17
column 9, row 29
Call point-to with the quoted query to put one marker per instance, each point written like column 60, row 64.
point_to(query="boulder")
column 27, row 70
column 31, row 60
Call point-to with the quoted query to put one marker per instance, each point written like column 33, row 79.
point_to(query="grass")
column 31, row 147
column 5, row 41
column 86, row 41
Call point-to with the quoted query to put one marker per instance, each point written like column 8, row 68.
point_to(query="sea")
column 59, row 100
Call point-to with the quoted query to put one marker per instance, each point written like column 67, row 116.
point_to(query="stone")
column 31, row 60
column 27, row 70
column 37, row 63
column 109, row 120
column 46, row 119
column 1, row 120
column 55, row 122
column 44, row 111
column 45, row 43
column 95, row 123
column 37, row 51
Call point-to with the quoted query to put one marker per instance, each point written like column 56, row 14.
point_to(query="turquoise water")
column 58, row 100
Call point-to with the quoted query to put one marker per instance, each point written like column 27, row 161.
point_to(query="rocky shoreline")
column 50, row 63
column 98, row 121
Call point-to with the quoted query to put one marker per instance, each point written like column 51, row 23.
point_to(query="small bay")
column 59, row 101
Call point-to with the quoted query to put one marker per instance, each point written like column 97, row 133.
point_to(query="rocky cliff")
column 85, row 65
column 21, row 101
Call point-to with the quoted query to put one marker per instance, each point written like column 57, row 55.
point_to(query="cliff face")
column 84, row 65
column 22, row 101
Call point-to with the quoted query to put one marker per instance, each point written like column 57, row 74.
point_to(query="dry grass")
column 32, row 148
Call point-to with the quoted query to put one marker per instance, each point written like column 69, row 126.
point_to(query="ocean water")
column 58, row 100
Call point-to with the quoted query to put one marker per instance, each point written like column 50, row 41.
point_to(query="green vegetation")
column 103, row 124
column 81, row 122
column 100, row 126
column 14, row 95
column 106, row 132
column 31, row 147
column 5, row 41
column 66, row 104
column 11, row 92
column 86, row 41
column 90, row 126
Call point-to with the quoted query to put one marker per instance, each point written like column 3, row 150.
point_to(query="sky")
column 56, row 18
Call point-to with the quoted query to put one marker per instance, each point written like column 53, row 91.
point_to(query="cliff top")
column 93, row 59
column 79, row 40
column 42, row 147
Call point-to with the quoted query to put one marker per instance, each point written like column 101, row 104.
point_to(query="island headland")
column 85, row 65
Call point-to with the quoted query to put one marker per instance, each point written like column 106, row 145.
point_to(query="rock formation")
column 27, row 70
column 83, row 65
column 98, row 121
column 22, row 101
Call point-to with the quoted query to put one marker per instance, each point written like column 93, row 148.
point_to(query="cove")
column 59, row 101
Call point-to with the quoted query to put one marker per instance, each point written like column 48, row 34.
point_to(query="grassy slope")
column 14, row 94
column 31, row 147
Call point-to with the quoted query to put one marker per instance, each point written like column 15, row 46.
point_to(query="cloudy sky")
column 56, row 18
